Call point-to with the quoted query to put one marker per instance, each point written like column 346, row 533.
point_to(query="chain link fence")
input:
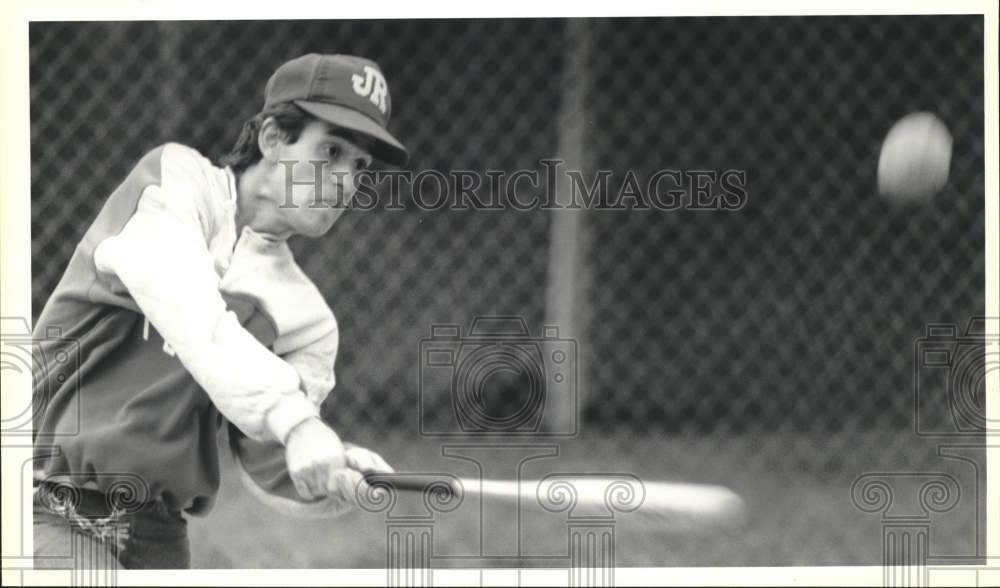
column 792, row 318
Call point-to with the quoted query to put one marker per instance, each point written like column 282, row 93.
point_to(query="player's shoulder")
column 187, row 178
column 178, row 159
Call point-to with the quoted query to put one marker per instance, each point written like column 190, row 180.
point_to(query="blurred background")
column 770, row 348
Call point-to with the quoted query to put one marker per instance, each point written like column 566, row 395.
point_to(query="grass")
column 797, row 515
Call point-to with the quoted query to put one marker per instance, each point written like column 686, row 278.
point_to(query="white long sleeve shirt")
column 161, row 290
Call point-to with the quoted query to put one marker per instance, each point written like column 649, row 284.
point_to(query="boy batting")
column 192, row 319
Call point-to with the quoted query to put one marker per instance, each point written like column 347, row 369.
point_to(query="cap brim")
column 386, row 149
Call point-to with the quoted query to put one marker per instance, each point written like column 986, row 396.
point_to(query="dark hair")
column 245, row 152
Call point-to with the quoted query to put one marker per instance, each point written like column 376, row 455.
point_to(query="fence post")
column 564, row 301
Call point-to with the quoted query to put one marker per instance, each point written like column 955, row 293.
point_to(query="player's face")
column 319, row 176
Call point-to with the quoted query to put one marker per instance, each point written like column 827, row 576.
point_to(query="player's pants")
column 88, row 536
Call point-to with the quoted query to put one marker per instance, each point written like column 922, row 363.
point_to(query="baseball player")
column 191, row 321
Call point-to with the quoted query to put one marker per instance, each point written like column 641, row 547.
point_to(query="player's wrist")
column 288, row 414
column 303, row 429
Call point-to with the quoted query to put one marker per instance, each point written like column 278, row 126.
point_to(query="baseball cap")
column 343, row 90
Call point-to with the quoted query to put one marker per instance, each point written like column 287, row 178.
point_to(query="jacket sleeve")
column 264, row 473
column 307, row 333
column 314, row 363
column 161, row 256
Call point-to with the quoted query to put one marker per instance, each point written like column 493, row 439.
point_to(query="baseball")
column 915, row 158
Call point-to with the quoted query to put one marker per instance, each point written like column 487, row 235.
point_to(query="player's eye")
column 362, row 164
column 334, row 152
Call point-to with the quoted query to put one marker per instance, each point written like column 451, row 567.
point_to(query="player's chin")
column 320, row 222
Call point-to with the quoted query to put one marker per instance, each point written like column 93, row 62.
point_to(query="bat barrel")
column 670, row 506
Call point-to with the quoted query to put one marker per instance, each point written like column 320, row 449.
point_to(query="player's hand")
column 365, row 460
column 348, row 483
column 314, row 454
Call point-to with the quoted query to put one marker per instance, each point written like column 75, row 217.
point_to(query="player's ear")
column 270, row 139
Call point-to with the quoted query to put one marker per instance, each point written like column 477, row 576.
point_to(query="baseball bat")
column 671, row 505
